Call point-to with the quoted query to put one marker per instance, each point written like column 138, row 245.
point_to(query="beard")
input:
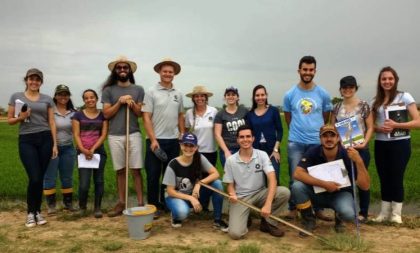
column 302, row 78
column 330, row 147
column 123, row 78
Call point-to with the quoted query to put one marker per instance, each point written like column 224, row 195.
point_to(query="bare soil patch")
column 66, row 233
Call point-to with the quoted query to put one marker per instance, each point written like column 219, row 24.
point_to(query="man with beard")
column 306, row 107
column 118, row 92
column 339, row 199
column 164, row 124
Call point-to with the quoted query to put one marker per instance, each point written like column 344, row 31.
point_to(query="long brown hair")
column 380, row 93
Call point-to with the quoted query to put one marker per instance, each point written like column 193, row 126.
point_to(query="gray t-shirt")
column 64, row 130
column 230, row 124
column 38, row 120
column 182, row 177
column 249, row 178
column 110, row 95
column 165, row 105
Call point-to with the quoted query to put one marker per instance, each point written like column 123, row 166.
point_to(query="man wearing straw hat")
column 251, row 178
column 164, row 124
column 119, row 92
column 336, row 196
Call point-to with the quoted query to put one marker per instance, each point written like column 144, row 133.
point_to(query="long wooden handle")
column 127, row 152
column 259, row 210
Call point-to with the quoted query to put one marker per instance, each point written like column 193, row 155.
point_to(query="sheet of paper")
column 90, row 164
column 18, row 107
column 334, row 171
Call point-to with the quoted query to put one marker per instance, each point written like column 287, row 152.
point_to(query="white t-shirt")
column 202, row 127
column 403, row 97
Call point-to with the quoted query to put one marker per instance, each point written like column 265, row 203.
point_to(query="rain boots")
column 51, row 204
column 396, row 212
column 68, row 202
column 308, row 220
column 385, row 213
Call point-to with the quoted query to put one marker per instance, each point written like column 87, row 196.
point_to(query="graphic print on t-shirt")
column 307, row 105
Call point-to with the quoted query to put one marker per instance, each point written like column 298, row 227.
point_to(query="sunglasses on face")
column 124, row 67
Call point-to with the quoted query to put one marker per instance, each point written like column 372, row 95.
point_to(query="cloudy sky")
column 218, row 43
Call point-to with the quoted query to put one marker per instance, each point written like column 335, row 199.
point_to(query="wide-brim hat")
column 168, row 61
column 122, row 59
column 199, row 89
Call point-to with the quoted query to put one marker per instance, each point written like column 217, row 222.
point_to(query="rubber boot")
column 51, row 204
column 339, row 226
column 68, row 202
column 396, row 212
column 308, row 220
column 385, row 213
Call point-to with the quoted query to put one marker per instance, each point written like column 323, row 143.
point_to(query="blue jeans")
column 341, row 202
column 222, row 155
column 155, row 168
column 364, row 196
column 64, row 163
column 276, row 165
column 180, row 208
column 98, row 179
column 295, row 151
column 35, row 152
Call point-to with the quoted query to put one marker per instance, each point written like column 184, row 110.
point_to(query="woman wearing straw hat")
column 199, row 120
column 33, row 111
column 226, row 124
column 63, row 164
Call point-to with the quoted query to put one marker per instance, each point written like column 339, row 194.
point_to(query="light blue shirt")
column 306, row 108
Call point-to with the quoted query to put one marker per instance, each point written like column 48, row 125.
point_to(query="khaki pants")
column 238, row 213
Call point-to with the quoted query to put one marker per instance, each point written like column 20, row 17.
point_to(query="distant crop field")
column 13, row 180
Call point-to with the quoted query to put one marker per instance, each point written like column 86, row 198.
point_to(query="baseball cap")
column 62, row 88
column 35, row 71
column 231, row 89
column 189, row 138
column 327, row 128
column 348, row 81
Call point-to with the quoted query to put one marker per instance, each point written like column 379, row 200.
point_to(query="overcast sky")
column 218, row 43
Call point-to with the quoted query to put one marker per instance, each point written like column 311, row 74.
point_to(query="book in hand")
column 398, row 113
column 350, row 131
column 334, row 171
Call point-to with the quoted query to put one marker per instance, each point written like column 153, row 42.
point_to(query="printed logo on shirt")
column 210, row 118
column 307, row 105
column 176, row 98
column 258, row 168
column 233, row 126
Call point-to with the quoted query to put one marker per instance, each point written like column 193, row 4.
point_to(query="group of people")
column 182, row 147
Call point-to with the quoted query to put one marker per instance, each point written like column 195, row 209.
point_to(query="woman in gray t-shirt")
column 37, row 138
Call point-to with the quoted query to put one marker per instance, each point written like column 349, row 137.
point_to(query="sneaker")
column 220, row 224
column 362, row 218
column 117, row 210
column 30, row 221
column 97, row 213
column 271, row 229
column 176, row 223
column 39, row 219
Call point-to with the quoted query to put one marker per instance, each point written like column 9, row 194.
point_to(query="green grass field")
column 13, row 180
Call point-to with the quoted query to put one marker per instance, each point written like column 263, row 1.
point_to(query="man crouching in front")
column 247, row 173
column 335, row 196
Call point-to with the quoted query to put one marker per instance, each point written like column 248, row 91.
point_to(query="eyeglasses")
column 124, row 67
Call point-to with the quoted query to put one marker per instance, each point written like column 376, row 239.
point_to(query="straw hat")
column 199, row 89
column 123, row 59
column 168, row 61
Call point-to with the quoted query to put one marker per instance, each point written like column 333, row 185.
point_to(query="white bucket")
column 139, row 221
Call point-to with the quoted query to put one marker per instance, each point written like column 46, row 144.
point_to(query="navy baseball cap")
column 189, row 138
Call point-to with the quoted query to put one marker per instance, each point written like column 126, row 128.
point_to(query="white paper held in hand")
column 88, row 164
column 334, row 171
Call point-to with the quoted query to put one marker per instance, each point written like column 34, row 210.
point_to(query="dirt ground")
column 68, row 233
